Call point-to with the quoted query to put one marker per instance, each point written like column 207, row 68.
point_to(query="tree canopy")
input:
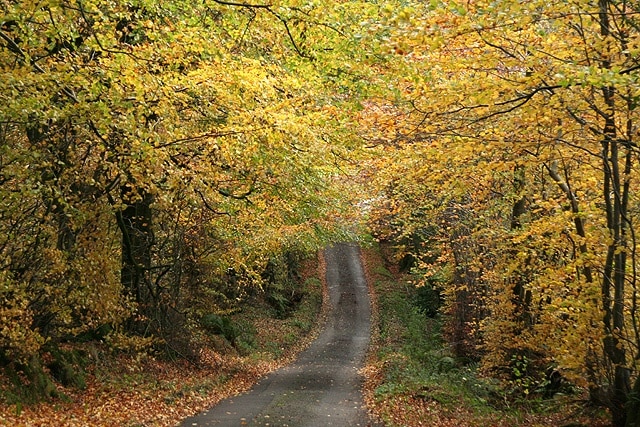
column 157, row 158
column 517, row 156
column 150, row 150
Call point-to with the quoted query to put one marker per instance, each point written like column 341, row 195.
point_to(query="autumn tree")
column 156, row 155
column 523, row 116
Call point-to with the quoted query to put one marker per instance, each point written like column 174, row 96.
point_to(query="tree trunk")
column 521, row 296
column 616, row 190
column 633, row 406
column 137, row 240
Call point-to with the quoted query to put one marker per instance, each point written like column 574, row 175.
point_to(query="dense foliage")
column 160, row 161
column 413, row 377
column 512, row 172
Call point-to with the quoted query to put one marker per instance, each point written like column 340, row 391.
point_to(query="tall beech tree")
column 149, row 148
column 516, row 121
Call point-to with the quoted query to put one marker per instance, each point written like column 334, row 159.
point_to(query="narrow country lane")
column 323, row 387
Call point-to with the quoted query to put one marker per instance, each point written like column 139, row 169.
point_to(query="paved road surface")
column 322, row 388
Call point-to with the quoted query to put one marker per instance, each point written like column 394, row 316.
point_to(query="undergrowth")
column 415, row 360
column 413, row 379
column 90, row 384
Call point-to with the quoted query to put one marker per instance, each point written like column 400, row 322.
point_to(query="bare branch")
column 208, row 206
column 248, row 5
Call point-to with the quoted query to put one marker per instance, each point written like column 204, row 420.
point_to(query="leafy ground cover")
column 412, row 379
column 146, row 390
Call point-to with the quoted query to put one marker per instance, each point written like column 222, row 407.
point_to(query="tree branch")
column 208, row 206
column 247, row 5
column 269, row 8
